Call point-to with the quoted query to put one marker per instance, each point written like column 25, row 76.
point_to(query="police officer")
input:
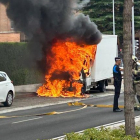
column 117, row 83
column 136, row 79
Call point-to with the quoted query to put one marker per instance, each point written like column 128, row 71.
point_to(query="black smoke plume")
column 42, row 21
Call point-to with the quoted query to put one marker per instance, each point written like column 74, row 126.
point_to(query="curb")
column 109, row 89
column 24, row 95
column 33, row 94
column 27, row 88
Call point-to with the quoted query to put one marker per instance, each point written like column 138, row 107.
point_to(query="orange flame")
column 67, row 61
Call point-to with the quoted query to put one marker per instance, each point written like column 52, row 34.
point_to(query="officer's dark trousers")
column 117, row 85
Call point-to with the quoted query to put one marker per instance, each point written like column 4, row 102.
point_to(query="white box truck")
column 102, row 69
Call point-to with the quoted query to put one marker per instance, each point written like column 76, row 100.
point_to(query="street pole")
column 133, row 31
column 113, row 18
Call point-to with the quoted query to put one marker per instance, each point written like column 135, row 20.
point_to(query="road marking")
column 69, row 104
column 27, row 120
column 110, row 125
column 92, row 105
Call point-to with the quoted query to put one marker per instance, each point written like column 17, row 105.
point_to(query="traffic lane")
column 20, row 116
column 52, row 125
column 73, row 120
column 60, row 107
column 57, row 125
column 57, row 108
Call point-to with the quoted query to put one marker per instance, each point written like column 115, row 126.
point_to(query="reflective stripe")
column 114, row 69
column 135, row 72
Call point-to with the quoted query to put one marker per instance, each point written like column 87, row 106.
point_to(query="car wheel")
column 9, row 100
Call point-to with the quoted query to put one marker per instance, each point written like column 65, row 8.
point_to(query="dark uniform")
column 117, row 83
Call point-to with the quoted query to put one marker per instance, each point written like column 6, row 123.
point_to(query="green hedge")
column 103, row 134
column 15, row 60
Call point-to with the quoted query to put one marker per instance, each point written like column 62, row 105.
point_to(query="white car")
column 7, row 91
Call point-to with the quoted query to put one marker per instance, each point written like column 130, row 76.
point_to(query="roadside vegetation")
column 103, row 134
column 16, row 61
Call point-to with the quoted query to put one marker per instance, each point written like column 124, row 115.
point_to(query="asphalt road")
column 46, row 127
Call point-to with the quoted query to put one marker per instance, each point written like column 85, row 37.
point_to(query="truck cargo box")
column 104, row 60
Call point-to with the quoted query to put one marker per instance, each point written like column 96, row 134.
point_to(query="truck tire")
column 102, row 86
column 106, row 83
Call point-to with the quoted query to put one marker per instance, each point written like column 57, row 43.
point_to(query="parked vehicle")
column 7, row 91
column 103, row 64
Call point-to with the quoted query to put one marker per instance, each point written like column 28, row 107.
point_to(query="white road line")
column 27, row 120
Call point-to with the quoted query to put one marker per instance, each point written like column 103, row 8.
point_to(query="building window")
column 12, row 24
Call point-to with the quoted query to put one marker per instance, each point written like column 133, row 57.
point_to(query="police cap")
column 117, row 58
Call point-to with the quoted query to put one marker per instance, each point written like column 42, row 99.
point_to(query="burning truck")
column 64, row 45
column 85, row 66
column 101, row 69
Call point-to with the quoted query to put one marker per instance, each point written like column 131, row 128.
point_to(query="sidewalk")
column 34, row 87
column 111, row 87
column 24, row 91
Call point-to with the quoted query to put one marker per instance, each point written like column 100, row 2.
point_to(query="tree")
column 100, row 12
column 127, row 50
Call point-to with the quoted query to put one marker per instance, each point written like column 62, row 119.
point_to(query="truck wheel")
column 102, row 86
column 106, row 83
